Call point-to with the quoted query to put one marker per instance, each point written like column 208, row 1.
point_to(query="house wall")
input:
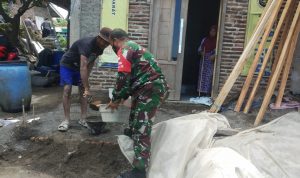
column 75, row 21
column 139, row 21
column 147, row 14
column 89, row 18
column 84, row 19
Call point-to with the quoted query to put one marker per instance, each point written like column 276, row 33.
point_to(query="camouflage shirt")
column 137, row 67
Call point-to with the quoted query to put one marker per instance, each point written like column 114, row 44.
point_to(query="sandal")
column 64, row 126
column 83, row 123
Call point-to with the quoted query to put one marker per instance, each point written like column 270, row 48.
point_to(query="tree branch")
column 24, row 8
column 31, row 7
column 3, row 14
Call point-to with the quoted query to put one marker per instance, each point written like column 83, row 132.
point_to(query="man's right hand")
column 86, row 93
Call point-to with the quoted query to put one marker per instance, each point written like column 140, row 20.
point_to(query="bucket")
column 15, row 86
column 121, row 115
column 96, row 125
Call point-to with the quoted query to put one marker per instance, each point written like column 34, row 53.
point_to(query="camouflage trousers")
column 144, row 106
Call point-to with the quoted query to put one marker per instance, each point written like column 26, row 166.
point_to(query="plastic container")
column 121, row 115
column 39, row 80
column 15, row 86
column 96, row 125
column 57, row 55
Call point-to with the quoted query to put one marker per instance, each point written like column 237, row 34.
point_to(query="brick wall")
column 138, row 21
column 138, row 29
column 102, row 78
column 233, row 39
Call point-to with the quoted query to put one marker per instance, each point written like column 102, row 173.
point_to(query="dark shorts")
column 69, row 76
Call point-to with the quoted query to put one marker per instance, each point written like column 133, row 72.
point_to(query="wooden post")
column 242, row 60
column 257, row 57
column 286, row 10
column 278, row 70
column 287, row 66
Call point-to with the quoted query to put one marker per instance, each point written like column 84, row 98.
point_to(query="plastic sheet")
column 184, row 147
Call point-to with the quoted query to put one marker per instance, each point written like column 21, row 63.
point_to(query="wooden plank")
column 278, row 70
column 253, row 67
column 180, row 58
column 217, row 63
column 242, row 60
column 287, row 66
column 285, row 13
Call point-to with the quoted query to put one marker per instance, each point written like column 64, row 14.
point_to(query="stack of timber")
column 286, row 32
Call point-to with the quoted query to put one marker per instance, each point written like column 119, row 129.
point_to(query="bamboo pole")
column 253, row 67
column 287, row 66
column 278, row 70
column 286, row 10
column 242, row 60
column 285, row 30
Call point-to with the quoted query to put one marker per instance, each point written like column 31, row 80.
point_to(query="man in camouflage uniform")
column 139, row 77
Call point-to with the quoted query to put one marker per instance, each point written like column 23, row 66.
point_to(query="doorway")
column 201, row 16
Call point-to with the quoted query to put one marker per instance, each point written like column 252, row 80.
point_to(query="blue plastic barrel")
column 15, row 86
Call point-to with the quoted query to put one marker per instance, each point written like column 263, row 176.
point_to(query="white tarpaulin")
column 273, row 148
column 184, row 147
column 220, row 162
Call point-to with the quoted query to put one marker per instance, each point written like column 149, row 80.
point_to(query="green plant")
column 59, row 22
column 62, row 41
column 6, row 8
column 5, row 28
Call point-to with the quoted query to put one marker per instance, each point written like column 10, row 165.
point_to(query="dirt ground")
column 39, row 150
